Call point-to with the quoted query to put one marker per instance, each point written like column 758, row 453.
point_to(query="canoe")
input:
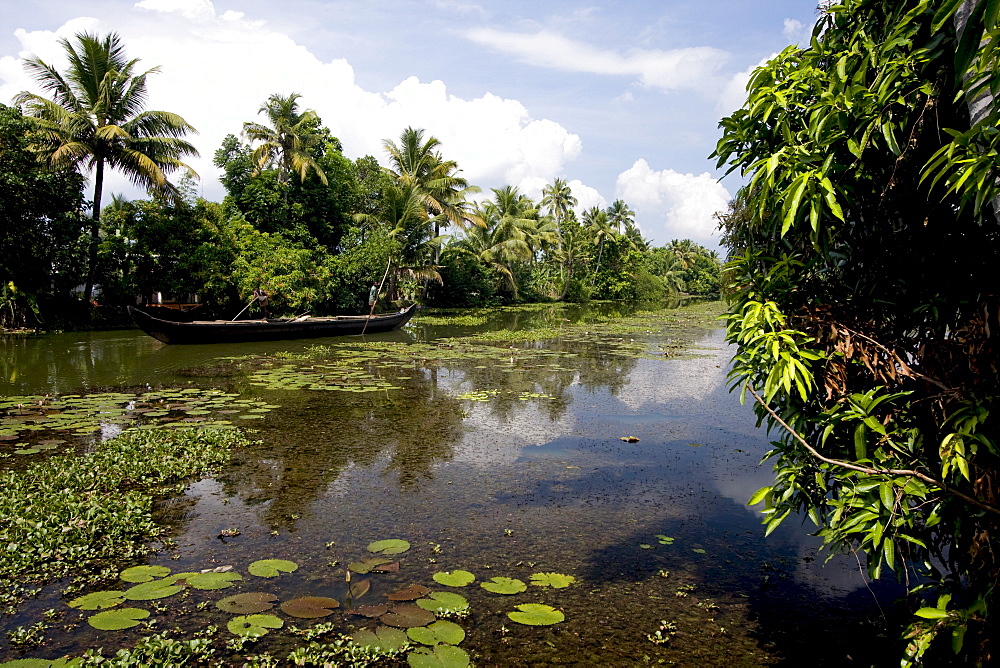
column 240, row 331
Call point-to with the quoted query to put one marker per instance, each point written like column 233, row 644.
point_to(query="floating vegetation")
column 143, row 573
column 254, row 626
column 406, row 616
column 444, row 602
column 486, row 395
column 664, row 540
column 148, row 591
column 436, row 633
column 390, row 546
column 383, row 638
column 98, row 600
column 368, row 565
column 213, row 580
column 247, row 603
column 411, row 593
column 439, row 656
column 502, row 585
column 118, row 619
column 536, row 614
column 454, row 578
column 554, row 580
column 270, row 568
column 310, row 607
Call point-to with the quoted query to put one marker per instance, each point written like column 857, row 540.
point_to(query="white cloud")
column 796, row 31
column 694, row 68
column 734, row 93
column 670, row 205
column 217, row 71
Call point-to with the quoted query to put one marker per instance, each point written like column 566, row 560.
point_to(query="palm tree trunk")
column 95, row 232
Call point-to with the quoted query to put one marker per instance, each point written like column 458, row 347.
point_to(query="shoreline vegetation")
column 300, row 220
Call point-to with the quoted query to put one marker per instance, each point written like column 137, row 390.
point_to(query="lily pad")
column 454, row 578
column 98, row 600
column 444, row 601
column 254, row 625
column 116, row 620
column 413, row 592
column 554, row 580
column 270, row 568
column 144, row 573
column 407, row 616
column 441, row 631
column 440, row 656
column 27, row 663
column 310, row 607
column 371, row 610
column 367, row 565
column 391, row 567
column 148, row 591
column 664, row 540
column 536, row 614
column 213, row 580
column 383, row 639
column 248, row 603
column 390, row 546
column 359, row 588
column 501, row 585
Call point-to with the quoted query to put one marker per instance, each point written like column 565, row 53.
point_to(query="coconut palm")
column 96, row 119
column 558, row 198
column 598, row 222
column 288, row 141
column 504, row 240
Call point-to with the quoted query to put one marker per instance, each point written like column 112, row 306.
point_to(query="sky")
column 620, row 99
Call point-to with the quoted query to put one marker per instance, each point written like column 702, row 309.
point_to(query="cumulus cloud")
column 734, row 93
column 693, row 68
column 671, row 205
column 216, row 71
column 796, row 31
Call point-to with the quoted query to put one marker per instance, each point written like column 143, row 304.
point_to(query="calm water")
column 531, row 477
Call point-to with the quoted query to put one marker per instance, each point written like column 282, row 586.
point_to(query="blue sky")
column 621, row 99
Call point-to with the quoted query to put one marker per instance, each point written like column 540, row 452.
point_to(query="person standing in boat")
column 261, row 298
column 373, row 295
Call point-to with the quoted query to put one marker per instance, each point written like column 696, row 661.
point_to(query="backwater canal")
column 492, row 442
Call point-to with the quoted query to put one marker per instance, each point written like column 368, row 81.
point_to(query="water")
column 535, row 478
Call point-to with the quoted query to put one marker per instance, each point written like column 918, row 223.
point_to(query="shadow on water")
column 505, row 460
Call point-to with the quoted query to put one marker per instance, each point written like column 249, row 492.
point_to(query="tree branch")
column 873, row 471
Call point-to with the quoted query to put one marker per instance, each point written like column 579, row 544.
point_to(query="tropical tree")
column 95, row 119
column 558, row 199
column 288, row 142
column 865, row 299
column 599, row 223
column 504, row 241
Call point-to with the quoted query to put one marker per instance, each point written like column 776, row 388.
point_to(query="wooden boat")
column 240, row 331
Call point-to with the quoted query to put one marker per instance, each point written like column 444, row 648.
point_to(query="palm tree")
column 599, row 223
column 558, row 198
column 504, row 240
column 288, row 141
column 95, row 119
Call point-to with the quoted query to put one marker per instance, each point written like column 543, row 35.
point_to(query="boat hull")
column 242, row 331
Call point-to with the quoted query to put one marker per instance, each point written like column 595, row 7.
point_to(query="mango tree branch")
column 872, row 471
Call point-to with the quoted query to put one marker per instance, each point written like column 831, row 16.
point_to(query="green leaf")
column 269, row 568
column 554, row 580
column 383, row 639
column 118, row 619
column 144, row 573
column 454, row 578
column 440, row 656
column 148, row 591
column 932, row 613
column 213, row 580
column 444, row 601
column 536, row 614
column 759, row 495
column 439, row 632
column 98, row 600
column 502, row 585
column 944, row 13
column 389, row 546
column 254, row 626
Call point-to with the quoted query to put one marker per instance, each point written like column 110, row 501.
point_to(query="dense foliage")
column 866, row 301
column 300, row 219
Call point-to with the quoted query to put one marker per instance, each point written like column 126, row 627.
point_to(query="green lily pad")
column 390, row 546
column 370, row 610
column 213, row 580
column 144, row 573
column 310, row 607
column 444, row 601
column 148, row 591
column 554, row 580
column 501, row 585
column 254, row 626
column 407, row 616
column 413, row 592
column 439, row 656
column 441, row 631
column 27, row 663
column 454, row 578
column 383, row 639
column 98, row 600
column 367, row 565
column 248, row 603
column 270, row 568
column 536, row 614
column 27, row 451
column 698, row 550
column 664, row 540
column 118, row 619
